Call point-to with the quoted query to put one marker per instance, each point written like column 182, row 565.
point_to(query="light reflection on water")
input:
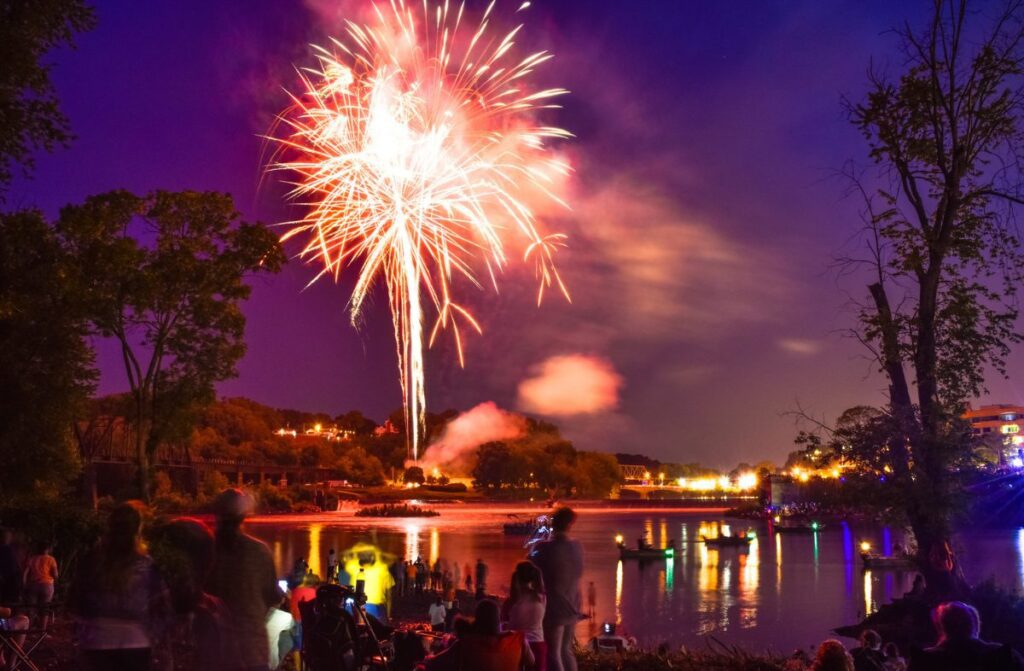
column 749, row 597
column 618, row 593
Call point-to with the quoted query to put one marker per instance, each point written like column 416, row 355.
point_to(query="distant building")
column 318, row 431
column 1002, row 419
column 1000, row 423
column 386, row 429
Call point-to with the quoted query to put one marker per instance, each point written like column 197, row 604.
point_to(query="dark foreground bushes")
column 727, row 659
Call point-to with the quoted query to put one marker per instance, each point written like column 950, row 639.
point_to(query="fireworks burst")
column 414, row 147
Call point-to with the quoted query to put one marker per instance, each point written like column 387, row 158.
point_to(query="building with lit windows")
column 994, row 423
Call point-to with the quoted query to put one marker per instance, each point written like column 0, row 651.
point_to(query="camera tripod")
column 359, row 608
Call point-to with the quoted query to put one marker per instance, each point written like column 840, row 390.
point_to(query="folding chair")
column 22, row 653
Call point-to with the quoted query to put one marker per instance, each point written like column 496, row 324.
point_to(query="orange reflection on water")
column 707, row 576
column 412, row 541
column 869, row 604
column 778, row 563
column 435, row 546
column 313, row 556
column 750, row 565
column 618, row 593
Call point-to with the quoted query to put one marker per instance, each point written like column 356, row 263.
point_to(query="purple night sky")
column 705, row 211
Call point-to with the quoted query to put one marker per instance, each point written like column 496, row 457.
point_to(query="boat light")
column 865, row 547
column 618, row 539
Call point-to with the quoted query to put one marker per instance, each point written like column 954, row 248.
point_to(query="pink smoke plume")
column 453, row 451
column 571, row 384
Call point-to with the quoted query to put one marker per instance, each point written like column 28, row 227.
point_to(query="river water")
column 786, row 592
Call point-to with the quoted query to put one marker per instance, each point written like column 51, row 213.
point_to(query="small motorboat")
column 792, row 527
column 728, row 541
column 647, row 552
column 900, row 561
column 893, row 562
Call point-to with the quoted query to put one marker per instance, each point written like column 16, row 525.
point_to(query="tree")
column 597, row 474
column 46, row 371
column 356, row 465
column 945, row 257
column 31, row 115
column 491, row 460
column 413, row 475
column 164, row 275
column 356, row 422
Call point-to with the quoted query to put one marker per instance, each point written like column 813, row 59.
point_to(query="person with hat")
column 243, row 577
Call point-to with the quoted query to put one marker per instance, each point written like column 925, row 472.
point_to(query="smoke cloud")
column 453, row 452
column 571, row 384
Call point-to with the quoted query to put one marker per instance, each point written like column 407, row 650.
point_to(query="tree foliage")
column 46, row 372
column 543, row 460
column 32, row 120
column 164, row 275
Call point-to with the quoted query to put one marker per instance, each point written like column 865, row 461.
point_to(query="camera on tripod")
column 359, row 595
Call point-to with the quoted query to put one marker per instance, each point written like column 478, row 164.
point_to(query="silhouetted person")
column 918, row 589
column 481, row 579
column 483, row 646
column 119, row 599
column 560, row 561
column 868, row 656
column 184, row 550
column 832, row 656
column 959, row 648
column 523, row 611
column 893, row 661
column 243, row 577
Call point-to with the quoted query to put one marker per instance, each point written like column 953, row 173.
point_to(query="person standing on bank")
column 560, row 560
column 481, row 579
column 244, row 578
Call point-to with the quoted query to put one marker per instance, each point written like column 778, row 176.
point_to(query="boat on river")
column 728, row 541
column 898, row 561
column 785, row 526
column 646, row 553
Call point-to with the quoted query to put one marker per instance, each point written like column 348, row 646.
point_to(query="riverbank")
column 57, row 652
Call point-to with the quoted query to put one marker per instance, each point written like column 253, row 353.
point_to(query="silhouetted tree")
column 46, row 371
column 30, row 116
column 164, row 275
column 413, row 475
column 945, row 254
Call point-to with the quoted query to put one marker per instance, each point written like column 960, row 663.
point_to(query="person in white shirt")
column 437, row 613
column 279, row 628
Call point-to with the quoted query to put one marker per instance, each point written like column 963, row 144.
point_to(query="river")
column 786, row 592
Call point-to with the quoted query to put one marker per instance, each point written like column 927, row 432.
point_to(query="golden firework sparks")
column 415, row 147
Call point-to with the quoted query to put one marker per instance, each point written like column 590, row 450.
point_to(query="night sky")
column 705, row 208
